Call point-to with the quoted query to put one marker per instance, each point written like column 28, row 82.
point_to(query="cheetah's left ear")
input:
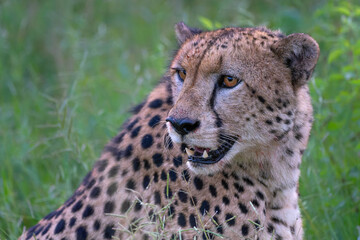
column 300, row 53
column 183, row 32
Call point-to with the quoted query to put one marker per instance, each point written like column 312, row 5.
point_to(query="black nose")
column 183, row 126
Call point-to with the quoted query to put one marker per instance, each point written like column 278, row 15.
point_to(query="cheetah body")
column 144, row 187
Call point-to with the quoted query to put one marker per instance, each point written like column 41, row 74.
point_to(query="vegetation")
column 70, row 70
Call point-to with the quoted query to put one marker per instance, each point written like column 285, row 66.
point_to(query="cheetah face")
column 233, row 94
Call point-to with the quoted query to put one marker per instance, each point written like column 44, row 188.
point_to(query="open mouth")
column 208, row 156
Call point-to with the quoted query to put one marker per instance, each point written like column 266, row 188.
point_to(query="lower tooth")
column 205, row 154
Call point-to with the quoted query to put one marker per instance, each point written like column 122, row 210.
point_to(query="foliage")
column 70, row 70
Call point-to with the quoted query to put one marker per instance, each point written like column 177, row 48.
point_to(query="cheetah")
column 212, row 153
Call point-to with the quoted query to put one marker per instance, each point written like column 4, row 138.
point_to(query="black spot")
column 46, row 229
column 225, row 184
column 193, row 201
column 147, row 141
column 268, row 107
column 192, row 220
column 154, row 121
column 91, row 184
column 147, row 165
column 135, row 132
column 96, row 225
column 89, row 210
column 245, row 230
column 185, row 175
column 217, row 209
column 167, row 192
column 287, row 122
column 278, row 237
column 137, row 108
column 128, row 151
column 172, row 175
column 213, row 191
column 50, row 215
column 248, row 181
column 72, row 222
column 230, row 219
column 157, row 198
column 109, row 207
column 171, row 210
column 226, row 200
column 278, row 221
column 278, row 119
column 268, row 122
column 298, row 136
column 136, row 164
column 182, row 196
column 289, row 152
column 198, row 183
column 138, row 206
column 31, row 231
column 261, row 99
column 118, row 139
column 177, row 161
column 163, row 175
column 157, row 103
column 77, row 206
column 132, row 124
column 260, row 195
column 292, row 230
column 239, row 188
column 243, row 208
column 131, row 184
column 181, row 220
column 156, row 177
column 125, row 206
column 95, row 192
column 270, row 229
column 204, row 208
column 113, row 171
column 109, row 231
column 146, row 181
column 255, row 203
column 157, row 159
column 102, row 165
column 70, row 201
column 112, row 189
column 81, row 233
column 257, row 224
column 207, row 234
column 220, row 229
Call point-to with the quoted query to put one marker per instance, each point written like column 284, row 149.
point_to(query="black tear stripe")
column 218, row 122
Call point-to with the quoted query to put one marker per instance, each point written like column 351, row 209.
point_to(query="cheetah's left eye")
column 181, row 74
column 229, row 82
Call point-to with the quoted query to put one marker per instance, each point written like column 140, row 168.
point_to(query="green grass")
column 70, row 70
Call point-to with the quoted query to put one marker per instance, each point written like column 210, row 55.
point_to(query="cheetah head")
column 235, row 90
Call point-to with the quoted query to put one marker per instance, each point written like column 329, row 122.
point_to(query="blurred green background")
column 70, row 70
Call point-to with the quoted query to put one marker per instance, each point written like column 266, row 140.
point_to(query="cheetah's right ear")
column 300, row 53
column 183, row 32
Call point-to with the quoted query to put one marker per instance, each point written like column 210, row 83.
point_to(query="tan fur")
column 249, row 194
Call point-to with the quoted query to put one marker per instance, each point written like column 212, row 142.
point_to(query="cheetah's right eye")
column 181, row 74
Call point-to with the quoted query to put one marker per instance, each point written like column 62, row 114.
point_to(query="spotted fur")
column 144, row 187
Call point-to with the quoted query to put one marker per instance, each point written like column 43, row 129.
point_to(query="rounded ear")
column 183, row 32
column 300, row 53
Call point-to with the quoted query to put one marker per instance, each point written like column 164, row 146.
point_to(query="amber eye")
column 230, row 82
column 181, row 74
